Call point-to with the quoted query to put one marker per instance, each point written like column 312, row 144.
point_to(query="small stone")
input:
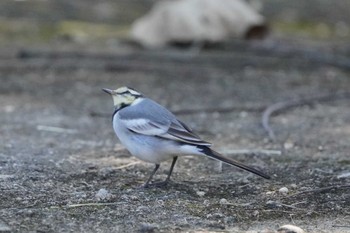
column 290, row 229
column 124, row 197
column 272, row 204
column 160, row 202
column 283, row 190
column 147, row 228
column 206, row 202
column 103, row 194
column 106, row 171
column 218, row 215
column 294, row 186
column 200, row 193
column 288, row 145
column 81, row 195
column 223, row 201
column 270, row 193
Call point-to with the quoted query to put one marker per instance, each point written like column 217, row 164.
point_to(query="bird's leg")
column 166, row 181
column 146, row 185
column 171, row 169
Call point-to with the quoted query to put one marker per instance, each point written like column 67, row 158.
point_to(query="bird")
column 153, row 134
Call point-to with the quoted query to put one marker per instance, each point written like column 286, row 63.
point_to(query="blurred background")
column 106, row 23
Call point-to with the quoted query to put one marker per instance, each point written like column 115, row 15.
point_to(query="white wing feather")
column 145, row 126
column 174, row 131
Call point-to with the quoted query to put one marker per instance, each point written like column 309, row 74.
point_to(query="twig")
column 282, row 211
column 320, row 190
column 342, row 226
column 88, row 204
column 55, row 129
column 128, row 165
column 285, row 105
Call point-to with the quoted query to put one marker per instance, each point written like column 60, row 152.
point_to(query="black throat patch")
column 118, row 108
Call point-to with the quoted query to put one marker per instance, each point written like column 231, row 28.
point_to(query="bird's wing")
column 180, row 131
column 145, row 126
column 173, row 130
column 158, row 121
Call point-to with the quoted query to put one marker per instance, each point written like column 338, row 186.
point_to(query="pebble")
column 147, row 228
column 256, row 213
column 273, row 204
column 200, row 193
column 103, row 194
column 290, row 229
column 106, row 171
column 223, row 201
column 288, row 145
column 283, row 190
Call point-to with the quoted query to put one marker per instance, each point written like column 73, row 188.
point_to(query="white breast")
column 147, row 148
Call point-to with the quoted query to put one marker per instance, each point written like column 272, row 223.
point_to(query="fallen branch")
column 286, row 105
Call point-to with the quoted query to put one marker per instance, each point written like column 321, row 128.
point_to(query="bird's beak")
column 109, row 91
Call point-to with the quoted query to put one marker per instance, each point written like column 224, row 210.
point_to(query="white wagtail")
column 153, row 134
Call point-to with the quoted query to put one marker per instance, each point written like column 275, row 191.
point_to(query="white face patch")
column 125, row 96
column 121, row 90
column 126, row 90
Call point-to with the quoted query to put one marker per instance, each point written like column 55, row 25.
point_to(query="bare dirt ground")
column 58, row 148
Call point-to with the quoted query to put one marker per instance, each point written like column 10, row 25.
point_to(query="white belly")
column 147, row 148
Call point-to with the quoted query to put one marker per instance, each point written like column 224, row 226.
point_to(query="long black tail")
column 215, row 155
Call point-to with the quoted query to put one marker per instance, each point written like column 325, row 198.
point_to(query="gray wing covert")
column 150, row 118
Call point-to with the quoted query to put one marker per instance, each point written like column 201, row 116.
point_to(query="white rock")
column 200, row 193
column 195, row 21
column 290, row 229
column 223, row 201
column 283, row 190
column 288, row 145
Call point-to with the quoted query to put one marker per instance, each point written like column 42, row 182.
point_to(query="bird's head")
column 123, row 96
